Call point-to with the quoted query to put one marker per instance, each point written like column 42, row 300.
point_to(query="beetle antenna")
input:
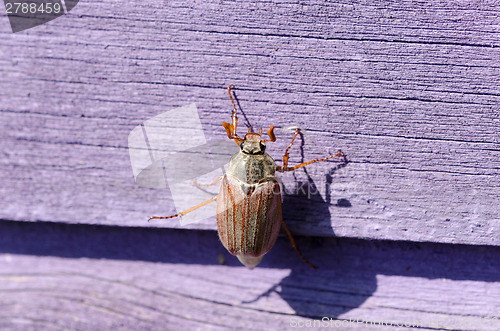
column 270, row 133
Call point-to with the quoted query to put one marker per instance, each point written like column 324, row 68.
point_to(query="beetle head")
column 252, row 144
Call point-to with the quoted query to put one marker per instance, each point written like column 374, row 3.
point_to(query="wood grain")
column 409, row 90
column 77, row 277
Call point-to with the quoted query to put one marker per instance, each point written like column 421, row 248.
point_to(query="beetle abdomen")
column 249, row 261
column 248, row 222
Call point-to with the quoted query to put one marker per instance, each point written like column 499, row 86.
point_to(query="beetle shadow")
column 305, row 208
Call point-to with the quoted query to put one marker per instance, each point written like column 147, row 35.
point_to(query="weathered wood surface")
column 80, row 277
column 409, row 90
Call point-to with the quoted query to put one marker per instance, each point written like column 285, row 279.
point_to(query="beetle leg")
column 294, row 244
column 285, row 157
column 183, row 212
column 231, row 128
column 234, row 118
column 340, row 153
column 206, row 185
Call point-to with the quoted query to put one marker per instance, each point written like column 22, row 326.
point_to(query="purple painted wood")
column 410, row 91
column 80, row 277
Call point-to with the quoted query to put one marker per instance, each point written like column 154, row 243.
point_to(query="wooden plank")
column 77, row 277
column 410, row 91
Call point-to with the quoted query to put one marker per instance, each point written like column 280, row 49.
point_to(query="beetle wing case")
column 249, row 210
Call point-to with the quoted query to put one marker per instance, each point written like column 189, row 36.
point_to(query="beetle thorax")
column 252, row 169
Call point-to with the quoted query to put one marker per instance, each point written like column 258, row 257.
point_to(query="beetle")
column 249, row 203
